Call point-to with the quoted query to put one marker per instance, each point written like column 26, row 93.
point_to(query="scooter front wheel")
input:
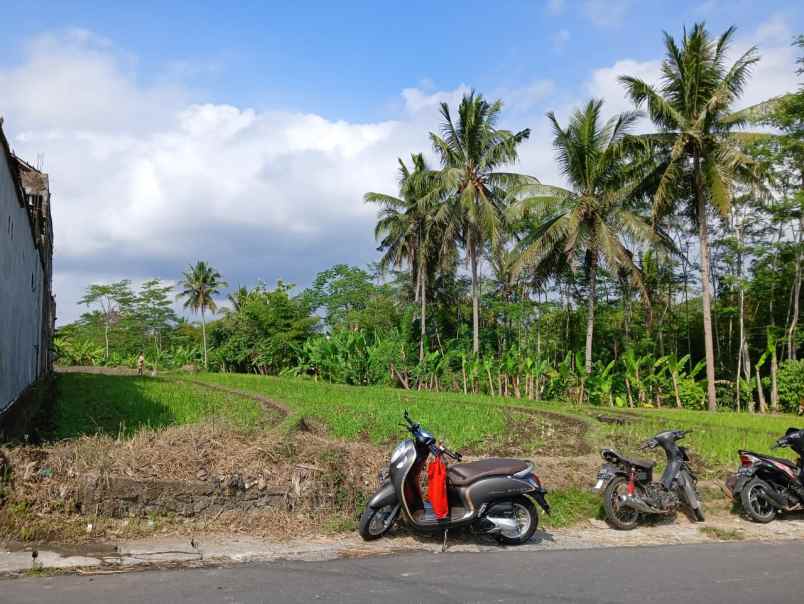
column 374, row 523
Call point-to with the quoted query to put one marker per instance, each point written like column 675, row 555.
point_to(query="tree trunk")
column 491, row 383
column 475, row 300
column 703, row 236
column 106, row 337
column 763, row 406
column 590, row 319
column 423, row 281
column 741, row 296
column 791, row 331
column 774, row 385
column 204, row 334
column 674, row 377
column 628, row 390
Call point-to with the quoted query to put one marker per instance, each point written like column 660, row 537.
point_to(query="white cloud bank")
column 146, row 179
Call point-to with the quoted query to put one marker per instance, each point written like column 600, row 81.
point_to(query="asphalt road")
column 711, row 573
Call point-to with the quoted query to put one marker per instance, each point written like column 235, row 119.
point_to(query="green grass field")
column 115, row 404
column 373, row 414
column 466, row 421
column 112, row 404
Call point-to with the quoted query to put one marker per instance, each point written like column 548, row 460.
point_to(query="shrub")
column 791, row 384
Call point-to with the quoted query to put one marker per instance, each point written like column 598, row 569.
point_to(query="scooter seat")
column 462, row 474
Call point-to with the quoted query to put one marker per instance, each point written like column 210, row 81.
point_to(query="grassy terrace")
column 477, row 424
column 121, row 404
column 463, row 421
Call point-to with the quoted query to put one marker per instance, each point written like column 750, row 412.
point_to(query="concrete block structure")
column 27, row 307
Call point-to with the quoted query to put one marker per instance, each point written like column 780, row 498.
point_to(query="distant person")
column 141, row 364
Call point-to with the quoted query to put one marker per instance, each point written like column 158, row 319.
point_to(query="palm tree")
column 237, row 298
column 589, row 223
column 200, row 283
column 692, row 109
column 407, row 230
column 471, row 152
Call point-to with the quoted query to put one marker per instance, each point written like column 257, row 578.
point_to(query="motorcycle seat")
column 462, row 474
column 645, row 464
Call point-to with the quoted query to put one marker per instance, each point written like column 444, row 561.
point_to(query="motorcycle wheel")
column 527, row 519
column 755, row 503
column 374, row 523
column 620, row 518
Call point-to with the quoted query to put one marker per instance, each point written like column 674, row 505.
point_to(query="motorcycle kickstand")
column 444, row 544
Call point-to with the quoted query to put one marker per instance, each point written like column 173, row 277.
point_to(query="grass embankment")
column 145, row 412
column 374, row 413
column 123, row 405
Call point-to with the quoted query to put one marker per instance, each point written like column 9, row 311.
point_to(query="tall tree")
column 472, row 152
column 590, row 222
column 114, row 299
column 408, row 230
column 692, row 109
column 155, row 311
column 200, row 284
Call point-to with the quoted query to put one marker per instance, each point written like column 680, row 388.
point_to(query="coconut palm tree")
column 591, row 222
column 472, row 151
column 692, row 110
column 409, row 230
column 200, row 284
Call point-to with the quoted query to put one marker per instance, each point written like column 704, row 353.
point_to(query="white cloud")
column 772, row 76
column 606, row 13
column 605, row 84
column 145, row 182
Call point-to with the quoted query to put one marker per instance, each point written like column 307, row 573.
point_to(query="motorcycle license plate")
column 602, row 478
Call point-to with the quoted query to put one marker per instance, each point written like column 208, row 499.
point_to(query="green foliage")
column 265, row 334
column 791, row 384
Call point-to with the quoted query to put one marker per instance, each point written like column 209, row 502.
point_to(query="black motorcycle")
column 766, row 485
column 629, row 490
column 492, row 496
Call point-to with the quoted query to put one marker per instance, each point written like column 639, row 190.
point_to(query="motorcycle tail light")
column 746, row 460
column 535, row 479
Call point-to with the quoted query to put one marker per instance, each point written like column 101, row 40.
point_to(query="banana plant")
column 675, row 367
column 601, row 383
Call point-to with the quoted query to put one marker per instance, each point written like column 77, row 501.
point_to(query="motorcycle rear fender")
column 612, row 469
column 736, row 482
column 539, row 497
column 385, row 495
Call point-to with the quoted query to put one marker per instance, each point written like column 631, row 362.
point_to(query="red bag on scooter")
column 437, row 487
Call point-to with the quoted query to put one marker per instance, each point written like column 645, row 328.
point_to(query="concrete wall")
column 22, row 293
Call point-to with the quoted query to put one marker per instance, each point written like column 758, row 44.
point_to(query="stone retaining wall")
column 122, row 497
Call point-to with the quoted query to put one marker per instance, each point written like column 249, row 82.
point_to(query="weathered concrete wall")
column 22, row 292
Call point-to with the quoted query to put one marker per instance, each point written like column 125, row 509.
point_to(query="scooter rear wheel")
column 755, row 502
column 527, row 520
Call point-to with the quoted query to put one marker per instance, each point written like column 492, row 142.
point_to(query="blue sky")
column 246, row 133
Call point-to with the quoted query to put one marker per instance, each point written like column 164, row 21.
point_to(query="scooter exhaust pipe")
column 499, row 524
